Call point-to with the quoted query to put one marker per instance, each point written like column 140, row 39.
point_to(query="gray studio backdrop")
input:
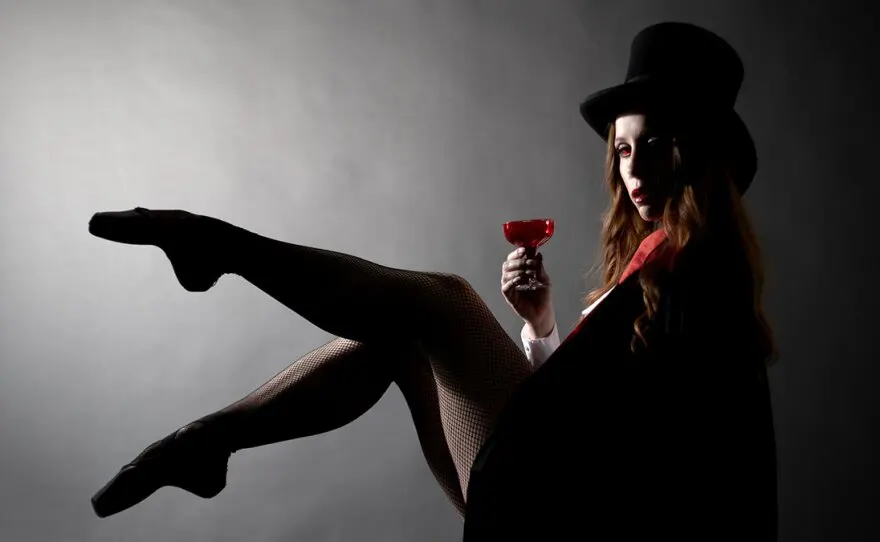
column 404, row 132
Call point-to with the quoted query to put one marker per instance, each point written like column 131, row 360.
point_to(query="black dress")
column 676, row 441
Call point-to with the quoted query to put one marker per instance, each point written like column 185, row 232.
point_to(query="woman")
column 653, row 417
column 434, row 337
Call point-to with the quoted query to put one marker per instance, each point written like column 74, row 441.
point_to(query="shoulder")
column 707, row 248
column 709, row 288
column 711, row 261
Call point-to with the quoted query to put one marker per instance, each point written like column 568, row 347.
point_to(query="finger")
column 512, row 265
column 506, row 286
column 540, row 266
column 518, row 253
column 544, row 277
column 510, row 275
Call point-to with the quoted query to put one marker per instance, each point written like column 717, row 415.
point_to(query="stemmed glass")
column 530, row 234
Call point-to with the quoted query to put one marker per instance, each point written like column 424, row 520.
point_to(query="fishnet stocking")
column 430, row 333
column 332, row 386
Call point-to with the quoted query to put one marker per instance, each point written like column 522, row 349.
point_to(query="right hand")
column 533, row 306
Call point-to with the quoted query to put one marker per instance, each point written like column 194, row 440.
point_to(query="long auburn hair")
column 708, row 202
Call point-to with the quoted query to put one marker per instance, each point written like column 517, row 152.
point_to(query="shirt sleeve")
column 538, row 350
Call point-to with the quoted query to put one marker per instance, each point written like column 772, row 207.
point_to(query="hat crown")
column 689, row 59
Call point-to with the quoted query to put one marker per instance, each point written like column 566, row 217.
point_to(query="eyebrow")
column 646, row 132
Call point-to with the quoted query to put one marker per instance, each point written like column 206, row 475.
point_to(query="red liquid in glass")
column 529, row 233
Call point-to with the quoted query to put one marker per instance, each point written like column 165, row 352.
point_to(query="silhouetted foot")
column 191, row 242
column 178, row 460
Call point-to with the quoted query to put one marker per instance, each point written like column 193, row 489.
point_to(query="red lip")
column 639, row 194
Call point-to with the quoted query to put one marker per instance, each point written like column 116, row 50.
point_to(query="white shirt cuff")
column 538, row 350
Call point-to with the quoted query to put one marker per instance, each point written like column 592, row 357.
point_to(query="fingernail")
column 520, row 251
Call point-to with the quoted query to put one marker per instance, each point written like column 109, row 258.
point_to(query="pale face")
column 645, row 155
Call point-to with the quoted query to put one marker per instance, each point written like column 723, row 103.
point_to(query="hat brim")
column 639, row 94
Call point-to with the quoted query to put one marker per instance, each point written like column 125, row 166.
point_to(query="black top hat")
column 687, row 72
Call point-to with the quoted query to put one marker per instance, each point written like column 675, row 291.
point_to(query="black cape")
column 675, row 441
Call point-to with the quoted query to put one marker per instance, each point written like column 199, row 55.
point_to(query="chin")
column 649, row 215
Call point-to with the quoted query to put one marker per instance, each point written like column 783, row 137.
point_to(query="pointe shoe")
column 187, row 239
column 177, row 461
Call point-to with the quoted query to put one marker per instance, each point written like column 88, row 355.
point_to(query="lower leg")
column 332, row 386
column 342, row 294
column 327, row 388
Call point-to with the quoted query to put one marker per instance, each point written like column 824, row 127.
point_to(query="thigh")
column 412, row 373
column 477, row 368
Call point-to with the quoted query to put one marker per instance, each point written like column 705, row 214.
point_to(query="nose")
column 638, row 164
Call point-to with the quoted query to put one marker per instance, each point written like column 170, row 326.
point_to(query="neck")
column 655, row 225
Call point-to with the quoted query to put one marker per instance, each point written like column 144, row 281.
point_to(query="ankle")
column 201, row 434
column 229, row 245
column 218, row 430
